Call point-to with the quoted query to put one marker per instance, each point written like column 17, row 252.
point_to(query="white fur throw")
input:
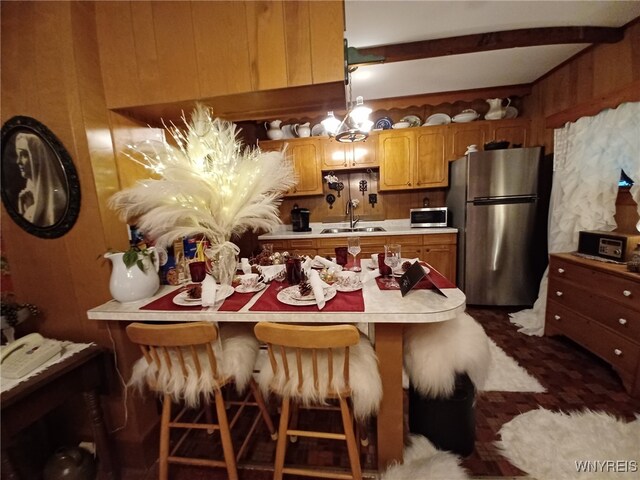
column 435, row 352
column 364, row 378
column 421, row 460
column 235, row 353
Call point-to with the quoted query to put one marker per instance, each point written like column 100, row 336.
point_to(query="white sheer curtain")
column 588, row 157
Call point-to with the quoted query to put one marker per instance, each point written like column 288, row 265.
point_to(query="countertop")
column 392, row 227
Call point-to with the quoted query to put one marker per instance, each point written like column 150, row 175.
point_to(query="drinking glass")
column 353, row 247
column 392, row 260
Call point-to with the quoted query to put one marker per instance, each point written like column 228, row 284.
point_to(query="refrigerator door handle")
column 505, row 200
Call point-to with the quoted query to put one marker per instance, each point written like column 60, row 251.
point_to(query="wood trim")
column 629, row 93
column 482, row 42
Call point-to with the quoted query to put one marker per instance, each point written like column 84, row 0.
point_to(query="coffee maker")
column 300, row 219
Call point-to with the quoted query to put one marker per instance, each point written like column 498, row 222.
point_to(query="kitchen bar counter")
column 392, row 227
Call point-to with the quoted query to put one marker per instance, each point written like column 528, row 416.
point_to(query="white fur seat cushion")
column 236, row 351
column 364, row 378
column 435, row 352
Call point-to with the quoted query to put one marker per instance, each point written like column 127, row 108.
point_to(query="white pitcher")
column 273, row 130
column 496, row 110
column 302, row 130
column 131, row 284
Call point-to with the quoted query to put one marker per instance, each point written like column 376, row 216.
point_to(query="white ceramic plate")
column 510, row 112
column 222, row 292
column 414, row 120
column 438, row 119
column 401, row 125
column 258, row 288
column 398, row 272
column 354, row 288
column 291, row 296
column 465, row 117
column 318, row 130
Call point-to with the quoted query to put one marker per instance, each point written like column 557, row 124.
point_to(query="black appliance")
column 300, row 219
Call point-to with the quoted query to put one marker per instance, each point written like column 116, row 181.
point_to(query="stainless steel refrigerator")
column 498, row 201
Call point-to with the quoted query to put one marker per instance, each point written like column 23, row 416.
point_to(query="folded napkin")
column 327, row 263
column 209, row 288
column 269, row 272
column 318, row 286
column 244, row 264
column 369, row 275
column 306, row 266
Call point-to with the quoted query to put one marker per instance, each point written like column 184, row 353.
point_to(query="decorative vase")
column 224, row 261
column 128, row 284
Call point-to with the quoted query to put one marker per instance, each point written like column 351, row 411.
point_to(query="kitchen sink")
column 350, row 230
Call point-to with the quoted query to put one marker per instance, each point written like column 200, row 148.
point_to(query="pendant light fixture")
column 355, row 126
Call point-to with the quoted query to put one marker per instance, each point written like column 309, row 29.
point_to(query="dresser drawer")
column 618, row 289
column 613, row 348
column 620, row 318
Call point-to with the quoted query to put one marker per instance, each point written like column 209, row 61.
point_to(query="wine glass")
column 392, row 260
column 353, row 244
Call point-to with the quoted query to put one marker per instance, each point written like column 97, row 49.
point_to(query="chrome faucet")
column 349, row 211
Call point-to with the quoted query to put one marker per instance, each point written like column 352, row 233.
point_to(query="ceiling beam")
column 482, row 42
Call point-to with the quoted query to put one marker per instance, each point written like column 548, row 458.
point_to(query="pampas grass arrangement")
column 209, row 185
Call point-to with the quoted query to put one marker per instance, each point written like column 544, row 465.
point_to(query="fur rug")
column 505, row 375
column 422, row 461
column 556, row 445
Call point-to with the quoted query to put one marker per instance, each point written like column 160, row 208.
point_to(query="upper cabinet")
column 305, row 153
column 341, row 156
column 478, row 133
column 164, row 52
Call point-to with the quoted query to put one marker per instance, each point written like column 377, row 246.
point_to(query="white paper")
column 209, row 288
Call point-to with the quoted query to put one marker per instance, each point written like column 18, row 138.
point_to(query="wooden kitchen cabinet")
column 343, row 156
column 597, row 305
column 513, row 130
column 440, row 250
column 461, row 135
column 306, row 156
column 413, row 158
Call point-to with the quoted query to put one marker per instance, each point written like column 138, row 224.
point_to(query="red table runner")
column 231, row 304
column 434, row 278
column 342, row 302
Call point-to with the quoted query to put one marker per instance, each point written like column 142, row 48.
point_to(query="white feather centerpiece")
column 209, row 184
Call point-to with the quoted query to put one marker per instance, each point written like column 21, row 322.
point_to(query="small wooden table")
column 37, row 396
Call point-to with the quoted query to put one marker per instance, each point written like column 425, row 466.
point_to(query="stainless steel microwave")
column 428, row 217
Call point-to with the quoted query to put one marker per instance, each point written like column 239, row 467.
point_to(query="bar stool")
column 309, row 365
column 190, row 361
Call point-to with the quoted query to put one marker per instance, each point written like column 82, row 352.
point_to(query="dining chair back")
column 309, row 365
column 183, row 363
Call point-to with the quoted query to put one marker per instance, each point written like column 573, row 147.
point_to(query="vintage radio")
column 615, row 246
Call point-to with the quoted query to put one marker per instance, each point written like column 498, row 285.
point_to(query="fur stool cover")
column 435, row 352
column 421, row 460
column 364, row 378
column 236, row 351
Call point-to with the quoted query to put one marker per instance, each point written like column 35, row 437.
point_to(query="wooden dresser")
column 597, row 305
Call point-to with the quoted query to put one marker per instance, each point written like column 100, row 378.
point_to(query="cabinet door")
column 306, row 162
column 514, row 131
column 464, row 134
column 431, row 167
column 442, row 258
column 364, row 154
column 334, row 154
column 395, row 153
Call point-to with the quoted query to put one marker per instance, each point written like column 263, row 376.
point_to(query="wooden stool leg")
column 352, row 446
column 163, row 473
column 281, row 447
column 257, row 395
column 295, row 411
column 225, row 436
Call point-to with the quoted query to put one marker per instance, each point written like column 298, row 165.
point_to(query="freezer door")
column 503, row 173
column 499, row 251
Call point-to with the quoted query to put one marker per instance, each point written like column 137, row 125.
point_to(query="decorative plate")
column 398, row 271
column 291, row 296
column 222, row 292
column 258, row 288
column 414, row 120
column 510, row 112
column 383, row 123
column 351, row 288
column 438, row 119
column 318, row 130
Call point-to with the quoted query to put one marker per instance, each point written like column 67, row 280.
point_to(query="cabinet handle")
column 561, row 270
column 617, row 351
column 627, row 293
column 622, row 321
column 559, row 293
column 409, row 183
column 557, row 317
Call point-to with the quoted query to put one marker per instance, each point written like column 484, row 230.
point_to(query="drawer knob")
column 627, row 293
column 559, row 293
column 622, row 321
column 557, row 317
column 561, row 270
column 617, row 351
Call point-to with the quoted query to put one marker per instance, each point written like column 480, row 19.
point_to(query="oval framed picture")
column 39, row 183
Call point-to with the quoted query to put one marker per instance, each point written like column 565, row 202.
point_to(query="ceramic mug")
column 249, row 280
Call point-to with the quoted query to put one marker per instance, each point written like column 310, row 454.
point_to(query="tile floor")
column 574, row 379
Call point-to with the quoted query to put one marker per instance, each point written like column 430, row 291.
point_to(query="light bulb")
column 360, row 113
column 330, row 124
